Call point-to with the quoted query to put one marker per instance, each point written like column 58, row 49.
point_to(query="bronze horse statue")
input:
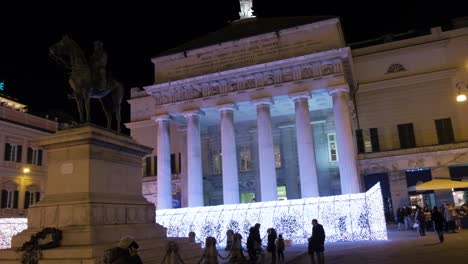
column 82, row 80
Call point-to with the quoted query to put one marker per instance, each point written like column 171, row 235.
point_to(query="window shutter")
column 15, row 200
column 4, row 198
column 39, row 157
column 180, row 162
column 29, row 158
column 359, row 141
column 18, row 153
column 173, row 164
column 155, row 165
column 7, row 152
column 26, row 199
column 374, row 135
column 148, row 166
column 411, row 138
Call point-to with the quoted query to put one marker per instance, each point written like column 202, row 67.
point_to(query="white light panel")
column 344, row 217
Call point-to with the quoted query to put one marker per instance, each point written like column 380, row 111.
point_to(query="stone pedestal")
column 93, row 194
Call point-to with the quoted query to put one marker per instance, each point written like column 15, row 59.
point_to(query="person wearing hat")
column 125, row 253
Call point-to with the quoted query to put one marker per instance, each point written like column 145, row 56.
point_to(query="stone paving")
column 401, row 247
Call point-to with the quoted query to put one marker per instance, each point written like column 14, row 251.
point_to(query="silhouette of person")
column 316, row 243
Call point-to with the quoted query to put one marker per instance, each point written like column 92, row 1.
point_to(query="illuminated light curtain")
column 10, row 227
column 349, row 217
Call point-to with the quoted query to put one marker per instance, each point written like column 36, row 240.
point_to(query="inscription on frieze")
column 269, row 47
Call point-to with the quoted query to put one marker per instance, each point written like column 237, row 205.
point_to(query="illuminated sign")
column 2, row 85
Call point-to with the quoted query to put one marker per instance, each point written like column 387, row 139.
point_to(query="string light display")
column 10, row 227
column 344, row 217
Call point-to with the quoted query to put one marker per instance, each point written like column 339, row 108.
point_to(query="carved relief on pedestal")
column 81, row 214
column 97, row 214
column 50, row 216
column 120, row 217
column 130, row 215
column 140, row 214
column 150, row 214
column 35, row 217
column 66, row 215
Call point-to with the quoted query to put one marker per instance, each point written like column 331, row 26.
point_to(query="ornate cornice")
column 313, row 66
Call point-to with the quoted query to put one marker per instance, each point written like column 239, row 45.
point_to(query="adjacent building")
column 23, row 167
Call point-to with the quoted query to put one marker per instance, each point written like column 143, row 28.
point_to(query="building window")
column 281, row 190
column 217, row 162
column 247, row 197
column 333, row 155
column 245, row 159
column 367, row 140
column 9, row 198
column 277, row 156
column 444, row 130
column 148, row 166
column 406, row 134
column 34, row 156
column 13, row 152
column 31, row 197
column 173, row 164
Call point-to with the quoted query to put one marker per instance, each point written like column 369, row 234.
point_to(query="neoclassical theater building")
column 284, row 108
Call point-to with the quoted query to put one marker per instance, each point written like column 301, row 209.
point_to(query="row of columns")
column 268, row 184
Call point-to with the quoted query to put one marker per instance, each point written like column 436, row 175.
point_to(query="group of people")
column 276, row 245
column 446, row 218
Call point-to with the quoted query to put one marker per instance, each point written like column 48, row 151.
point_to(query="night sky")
column 132, row 34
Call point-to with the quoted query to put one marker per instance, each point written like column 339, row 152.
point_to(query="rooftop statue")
column 88, row 79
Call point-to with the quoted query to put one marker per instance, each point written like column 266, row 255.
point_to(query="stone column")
column 347, row 157
column 266, row 152
column 194, row 162
column 305, row 146
column 229, row 155
column 164, row 177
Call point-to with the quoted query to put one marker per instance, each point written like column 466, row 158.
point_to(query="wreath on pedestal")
column 32, row 248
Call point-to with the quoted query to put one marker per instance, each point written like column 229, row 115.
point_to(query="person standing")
column 280, row 247
column 438, row 220
column 317, row 243
column 271, row 246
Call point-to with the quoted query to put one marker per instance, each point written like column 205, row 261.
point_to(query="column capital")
column 262, row 101
column 300, row 95
column 227, row 107
column 161, row 118
column 190, row 113
column 344, row 88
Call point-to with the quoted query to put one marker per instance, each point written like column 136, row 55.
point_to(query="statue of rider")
column 98, row 63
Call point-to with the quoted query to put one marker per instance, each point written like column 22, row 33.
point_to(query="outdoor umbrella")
column 438, row 184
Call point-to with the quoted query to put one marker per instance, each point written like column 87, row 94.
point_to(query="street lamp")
column 461, row 97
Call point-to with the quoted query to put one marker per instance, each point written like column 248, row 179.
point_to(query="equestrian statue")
column 88, row 79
